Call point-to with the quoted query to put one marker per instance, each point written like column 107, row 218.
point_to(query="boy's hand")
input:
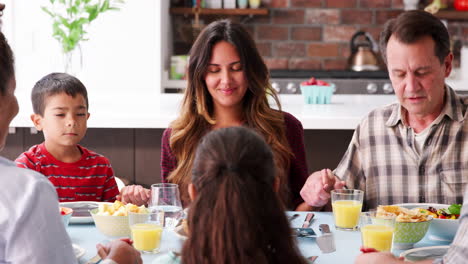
column 134, row 194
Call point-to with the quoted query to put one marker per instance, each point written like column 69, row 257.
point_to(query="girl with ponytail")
column 235, row 215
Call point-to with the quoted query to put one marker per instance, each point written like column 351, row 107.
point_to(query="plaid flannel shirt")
column 382, row 160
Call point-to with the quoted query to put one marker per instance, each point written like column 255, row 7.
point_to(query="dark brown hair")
column 7, row 70
column 53, row 84
column 197, row 111
column 411, row 26
column 236, row 216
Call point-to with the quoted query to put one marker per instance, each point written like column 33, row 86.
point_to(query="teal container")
column 317, row 94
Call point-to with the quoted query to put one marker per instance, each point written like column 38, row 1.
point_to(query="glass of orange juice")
column 146, row 231
column 346, row 205
column 377, row 233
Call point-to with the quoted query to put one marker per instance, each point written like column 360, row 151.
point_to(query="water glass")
column 377, row 233
column 165, row 200
column 146, row 231
column 346, row 205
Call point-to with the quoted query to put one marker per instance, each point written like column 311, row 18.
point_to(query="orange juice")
column 146, row 237
column 346, row 213
column 377, row 236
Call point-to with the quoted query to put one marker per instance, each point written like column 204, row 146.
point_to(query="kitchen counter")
column 157, row 111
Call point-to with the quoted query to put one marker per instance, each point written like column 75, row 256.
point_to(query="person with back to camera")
column 235, row 214
column 60, row 103
column 228, row 85
column 416, row 150
column 31, row 227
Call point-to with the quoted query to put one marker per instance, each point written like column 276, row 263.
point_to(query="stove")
column 346, row 82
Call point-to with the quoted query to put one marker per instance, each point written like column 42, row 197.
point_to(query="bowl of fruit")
column 66, row 214
column 111, row 219
column 317, row 91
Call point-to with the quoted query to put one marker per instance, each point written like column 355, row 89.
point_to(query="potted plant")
column 70, row 19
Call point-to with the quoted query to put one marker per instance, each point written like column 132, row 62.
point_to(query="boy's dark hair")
column 411, row 26
column 7, row 70
column 53, row 84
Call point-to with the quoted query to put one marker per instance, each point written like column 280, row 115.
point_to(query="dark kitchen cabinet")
column 135, row 154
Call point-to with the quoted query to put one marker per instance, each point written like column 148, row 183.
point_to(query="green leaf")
column 73, row 10
column 105, row 6
column 93, row 12
column 47, row 11
column 52, row 1
column 455, row 209
column 64, row 21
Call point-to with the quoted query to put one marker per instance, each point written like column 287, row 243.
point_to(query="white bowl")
column 440, row 229
column 111, row 226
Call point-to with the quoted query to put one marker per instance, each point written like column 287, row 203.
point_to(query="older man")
column 415, row 150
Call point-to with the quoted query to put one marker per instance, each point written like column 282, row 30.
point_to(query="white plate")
column 79, row 251
column 423, row 253
column 81, row 213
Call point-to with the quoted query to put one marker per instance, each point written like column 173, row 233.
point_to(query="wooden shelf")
column 452, row 15
column 220, row 11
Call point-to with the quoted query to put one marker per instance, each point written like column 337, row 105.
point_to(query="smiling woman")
column 228, row 85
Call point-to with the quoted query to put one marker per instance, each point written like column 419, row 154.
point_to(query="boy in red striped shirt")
column 60, row 103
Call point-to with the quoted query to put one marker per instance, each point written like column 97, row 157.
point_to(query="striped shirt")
column 458, row 251
column 382, row 159
column 89, row 179
column 297, row 169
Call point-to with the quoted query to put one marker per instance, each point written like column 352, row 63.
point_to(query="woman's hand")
column 378, row 258
column 134, row 194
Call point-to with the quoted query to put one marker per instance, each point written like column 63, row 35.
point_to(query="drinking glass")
column 146, row 231
column 376, row 232
column 165, row 199
column 346, row 205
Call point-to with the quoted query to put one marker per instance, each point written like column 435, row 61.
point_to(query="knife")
column 326, row 241
column 305, row 230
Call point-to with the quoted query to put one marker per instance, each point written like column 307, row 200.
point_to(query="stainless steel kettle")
column 363, row 57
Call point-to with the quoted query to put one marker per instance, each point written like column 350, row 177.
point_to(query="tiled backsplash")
column 310, row 34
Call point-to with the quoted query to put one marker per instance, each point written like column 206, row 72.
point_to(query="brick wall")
column 311, row 34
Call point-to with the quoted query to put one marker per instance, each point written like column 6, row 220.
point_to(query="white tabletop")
column 347, row 242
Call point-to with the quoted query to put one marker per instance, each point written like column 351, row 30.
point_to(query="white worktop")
column 158, row 110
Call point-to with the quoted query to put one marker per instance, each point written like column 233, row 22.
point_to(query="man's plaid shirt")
column 382, row 159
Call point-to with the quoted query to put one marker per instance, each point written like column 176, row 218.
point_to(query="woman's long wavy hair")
column 236, row 217
column 196, row 118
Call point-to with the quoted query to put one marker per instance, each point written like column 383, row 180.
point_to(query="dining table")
column 347, row 243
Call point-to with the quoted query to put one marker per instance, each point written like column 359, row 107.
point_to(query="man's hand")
column 316, row 190
column 119, row 251
column 134, row 194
